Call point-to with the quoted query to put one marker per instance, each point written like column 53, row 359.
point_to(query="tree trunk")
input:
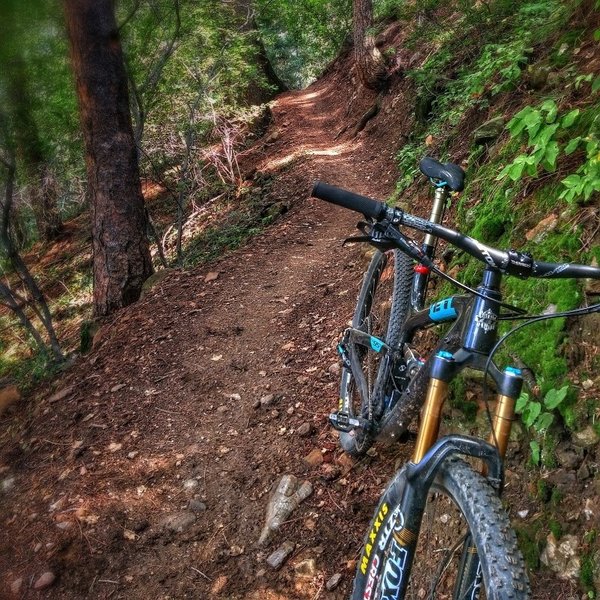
column 370, row 64
column 120, row 246
column 257, row 93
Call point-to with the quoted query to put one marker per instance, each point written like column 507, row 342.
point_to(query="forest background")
column 510, row 89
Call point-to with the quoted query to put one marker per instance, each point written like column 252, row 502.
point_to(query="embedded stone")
column 45, row 580
column 179, row 521
column 306, row 569
column 333, row 582
column 277, row 558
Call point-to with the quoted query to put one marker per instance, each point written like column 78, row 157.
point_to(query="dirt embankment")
column 145, row 472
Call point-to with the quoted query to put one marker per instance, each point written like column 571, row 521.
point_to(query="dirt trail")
column 167, row 408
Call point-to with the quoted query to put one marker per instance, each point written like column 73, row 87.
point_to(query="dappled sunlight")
column 309, row 151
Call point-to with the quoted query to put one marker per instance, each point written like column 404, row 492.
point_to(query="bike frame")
column 475, row 320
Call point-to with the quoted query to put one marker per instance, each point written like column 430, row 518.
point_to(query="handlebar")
column 511, row 262
column 372, row 209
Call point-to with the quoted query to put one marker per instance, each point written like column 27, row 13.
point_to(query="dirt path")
column 149, row 476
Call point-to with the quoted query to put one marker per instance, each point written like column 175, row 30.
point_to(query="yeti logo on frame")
column 486, row 320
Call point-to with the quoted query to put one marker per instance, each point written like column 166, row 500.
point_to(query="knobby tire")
column 461, row 505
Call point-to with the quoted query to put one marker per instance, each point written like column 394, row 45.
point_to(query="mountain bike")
column 373, row 379
column 439, row 530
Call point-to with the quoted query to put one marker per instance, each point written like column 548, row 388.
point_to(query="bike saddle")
column 452, row 174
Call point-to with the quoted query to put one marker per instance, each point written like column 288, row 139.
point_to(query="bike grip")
column 367, row 206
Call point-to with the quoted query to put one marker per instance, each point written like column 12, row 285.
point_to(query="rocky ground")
column 145, row 470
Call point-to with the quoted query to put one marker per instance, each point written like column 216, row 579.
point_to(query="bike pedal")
column 344, row 422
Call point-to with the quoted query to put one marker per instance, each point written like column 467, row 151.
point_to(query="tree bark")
column 370, row 64
column 119, row 223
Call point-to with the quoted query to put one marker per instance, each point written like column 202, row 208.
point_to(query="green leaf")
column 570, row 118
column 571, row 181
column 555, row 397
column 544, row 421
column 531, row 413
column 533, row 122
column 531, row 168
column 549, row 106
column 538, row 154
column 516, row 170
column 545, row 134
column 597, row 35
column 572, row 145
column 596, row 84
column 522, row 401
column 549, row 161
column 517, row 123
column 535, row 452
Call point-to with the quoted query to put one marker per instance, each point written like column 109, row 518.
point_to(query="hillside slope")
column 145, row 471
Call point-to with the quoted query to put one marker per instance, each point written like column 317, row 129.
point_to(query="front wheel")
column 465, row 549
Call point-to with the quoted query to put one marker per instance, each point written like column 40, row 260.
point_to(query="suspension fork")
column 469, row 580
column 469, row 583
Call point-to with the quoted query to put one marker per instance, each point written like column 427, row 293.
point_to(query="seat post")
column 421, row 278
column 437, row 212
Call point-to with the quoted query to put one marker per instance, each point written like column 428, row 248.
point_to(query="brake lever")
column 367, row 229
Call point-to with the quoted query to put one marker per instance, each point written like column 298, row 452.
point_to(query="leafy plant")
column 541, row 125
column 538, row 414
column 543, row 129
column 586, row 180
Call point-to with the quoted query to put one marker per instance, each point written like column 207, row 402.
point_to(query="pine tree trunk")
column 120, row 246
column 370, row 64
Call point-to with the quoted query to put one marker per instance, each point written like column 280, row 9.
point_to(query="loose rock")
column 61, row 394
column 334, row 369
column 283, row 501
column 7, row 484
column 588, row 384
column 276, row 560
column 16, row 585
column 314, row 458
column 333, row 582
column 561, row 556
column 267, row 400
column 196, row 505
column 45, row 580
column 304, row 429
column 544, row 227
column 190, row 484
column 179, row 521
column 586, row 438
column 583, row 472
column 489, row 131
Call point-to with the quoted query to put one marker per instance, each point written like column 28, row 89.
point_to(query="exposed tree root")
column 370, row 114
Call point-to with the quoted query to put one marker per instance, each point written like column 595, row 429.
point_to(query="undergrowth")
column 529, row 185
